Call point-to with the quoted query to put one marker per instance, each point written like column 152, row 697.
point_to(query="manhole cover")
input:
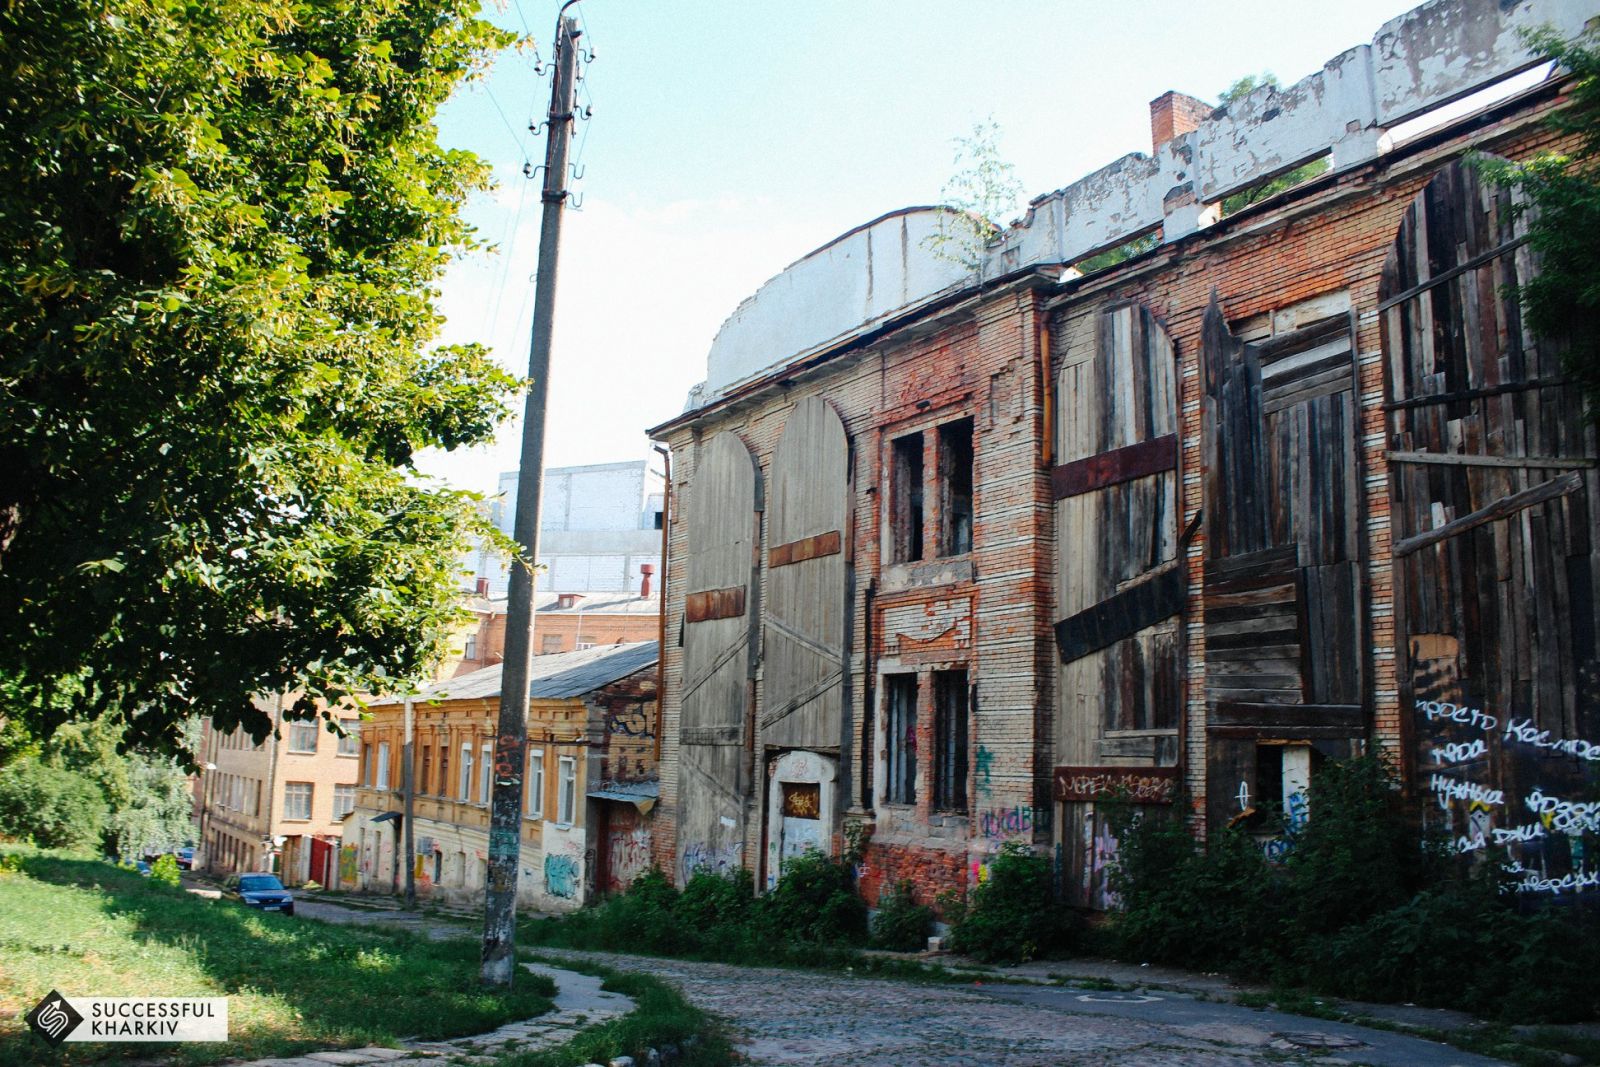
column 1112, row 997
column 1311, row 1039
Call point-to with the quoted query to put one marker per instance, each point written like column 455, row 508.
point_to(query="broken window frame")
column 907, row 498
column 901, row 693
column 955, row 486
column 951, row 706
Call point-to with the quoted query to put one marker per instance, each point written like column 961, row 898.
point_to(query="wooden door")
column 806, row 609
column 1284, row 615
column 719, row 605
column 1493, row 487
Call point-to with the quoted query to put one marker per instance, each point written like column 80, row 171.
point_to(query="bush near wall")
column 1356, row 909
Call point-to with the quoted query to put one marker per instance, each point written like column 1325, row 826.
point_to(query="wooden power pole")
column 505, row 816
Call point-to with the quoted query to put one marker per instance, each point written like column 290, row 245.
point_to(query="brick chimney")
column 1173, row 114
column 647, row 570
column 483, row 587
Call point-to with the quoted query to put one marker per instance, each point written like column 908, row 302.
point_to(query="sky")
column 729, row 139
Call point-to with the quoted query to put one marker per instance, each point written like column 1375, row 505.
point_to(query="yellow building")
column 588, row 786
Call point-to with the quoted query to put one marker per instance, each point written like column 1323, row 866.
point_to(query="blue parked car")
column 258, row 890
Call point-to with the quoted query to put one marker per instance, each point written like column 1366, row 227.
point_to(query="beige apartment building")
column 278, row 805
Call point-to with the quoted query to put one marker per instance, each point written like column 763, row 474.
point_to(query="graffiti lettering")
column 561, row 876
column 1573, row 881
column 632, row 721
column 1530, row 831
column 1438, row 709
column 1464, row 843
column 627, row 855
column 1010, row 822
column 704, row 856
column 1529, row 734
column 1564, row 814
column 1141, row 785
column 1449, row 789
column 1461, row 751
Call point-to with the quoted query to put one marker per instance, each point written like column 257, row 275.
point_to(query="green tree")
column 221, row 225
column 1272, row 186
column 1560, row 194
column 981, row 192
column 50, row 806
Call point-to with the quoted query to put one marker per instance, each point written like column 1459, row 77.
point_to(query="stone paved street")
column 828, row 1020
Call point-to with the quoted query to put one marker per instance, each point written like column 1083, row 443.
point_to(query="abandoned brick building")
column 955, row 551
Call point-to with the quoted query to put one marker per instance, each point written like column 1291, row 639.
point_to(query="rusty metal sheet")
column 714, row 604
column 813, row 547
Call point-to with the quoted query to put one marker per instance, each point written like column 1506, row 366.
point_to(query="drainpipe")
column 661, row 639
column 408, row 783
column 272, row 784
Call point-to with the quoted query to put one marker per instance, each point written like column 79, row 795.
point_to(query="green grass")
column 661, row 1016
column 293, row 984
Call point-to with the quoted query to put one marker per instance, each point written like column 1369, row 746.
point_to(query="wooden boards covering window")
column 1493, row 482
column 1283, row 592
column 1118, row 589
column 723, row 498
column 806, row 610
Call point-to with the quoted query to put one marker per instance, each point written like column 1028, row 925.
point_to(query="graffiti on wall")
column 349, row 866
column 1015, row 821
column 627, row 856
column 1138, row 785
column 713, row 858
column 630, row 720
column 561, row 876
column 1493, row 781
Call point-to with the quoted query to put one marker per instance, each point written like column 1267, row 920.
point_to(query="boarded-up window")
column 901, row 741
column 1492, row 475
column 950, row 740
column 806, row 604
column 1284, row 639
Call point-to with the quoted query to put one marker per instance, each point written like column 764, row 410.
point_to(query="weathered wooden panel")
column 807, row 609
column 1122, row 615
column 1283, row 588
column 1111, row 468
column 1496, row 563
column 1119, row 586
column 720, row 506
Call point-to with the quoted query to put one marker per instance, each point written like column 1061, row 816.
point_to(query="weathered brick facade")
column 943, row 628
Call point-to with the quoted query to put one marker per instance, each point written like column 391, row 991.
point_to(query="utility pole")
column 408, row 782
column 505, row 816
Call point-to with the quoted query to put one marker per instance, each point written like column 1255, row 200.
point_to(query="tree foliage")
column 221, row 222
column 50, row 806
column 1560, row 192
column 981, row 192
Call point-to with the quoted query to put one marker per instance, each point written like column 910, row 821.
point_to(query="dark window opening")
column 955, row 481
column 444, row 769
column 658, row 520
column 901, row 726
column 950, row 740
column 906, row 494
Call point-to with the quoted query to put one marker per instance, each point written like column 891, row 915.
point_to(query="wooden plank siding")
column 1283, row 593
column 807, row 605
column 718, row 653
column 1496, row 560
column 1119, row 590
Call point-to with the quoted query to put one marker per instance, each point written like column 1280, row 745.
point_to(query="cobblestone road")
column 827, row 1020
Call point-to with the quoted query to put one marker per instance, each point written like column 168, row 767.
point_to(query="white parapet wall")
column 1424, row 59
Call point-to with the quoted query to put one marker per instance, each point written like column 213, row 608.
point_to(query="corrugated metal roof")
column 554, row 677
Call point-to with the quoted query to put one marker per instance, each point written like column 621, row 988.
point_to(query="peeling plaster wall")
column 1431, row 55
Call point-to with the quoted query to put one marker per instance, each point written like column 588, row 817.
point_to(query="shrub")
column 901, row 924
column 1012, row 915
column 50, row 806
column 165, row 870
column 815, row 901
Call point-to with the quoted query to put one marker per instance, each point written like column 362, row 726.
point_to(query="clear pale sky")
column 729, row 139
